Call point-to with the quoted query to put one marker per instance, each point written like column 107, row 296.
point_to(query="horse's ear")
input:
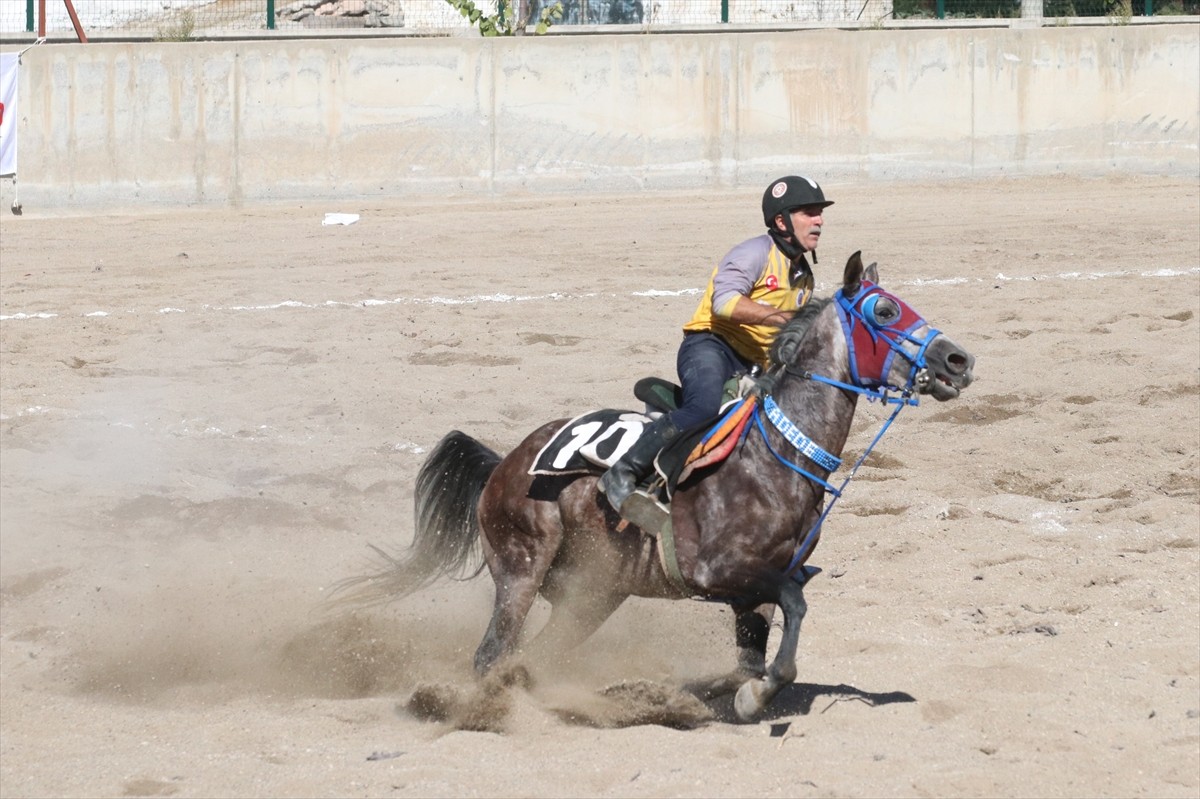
column 872, row 273
column 852, row 277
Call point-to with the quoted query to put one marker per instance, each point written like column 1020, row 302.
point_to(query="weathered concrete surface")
column 119, row 124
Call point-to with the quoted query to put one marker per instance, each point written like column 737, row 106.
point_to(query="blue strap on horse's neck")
column 793, row 466
column 803, row 444
column 819, row 456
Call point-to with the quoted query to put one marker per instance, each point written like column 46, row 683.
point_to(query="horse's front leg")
column 754, row 695
column 751, row 627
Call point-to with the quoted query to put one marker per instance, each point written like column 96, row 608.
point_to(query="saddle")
column 709, row 442
column 592, row 442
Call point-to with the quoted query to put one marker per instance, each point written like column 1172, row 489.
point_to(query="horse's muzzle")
column 949, row 369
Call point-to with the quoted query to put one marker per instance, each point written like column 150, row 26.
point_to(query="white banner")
column 8, row 113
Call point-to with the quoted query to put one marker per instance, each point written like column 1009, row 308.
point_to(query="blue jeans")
column 705, row 362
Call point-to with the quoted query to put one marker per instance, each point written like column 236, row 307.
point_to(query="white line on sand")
column 556, row 296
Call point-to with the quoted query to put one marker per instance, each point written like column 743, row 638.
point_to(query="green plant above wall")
column 504, row 22
column 182, row 31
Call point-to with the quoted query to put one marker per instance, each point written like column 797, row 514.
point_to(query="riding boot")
column 623, row 477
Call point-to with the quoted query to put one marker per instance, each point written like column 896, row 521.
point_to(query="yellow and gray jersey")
column 758, row 270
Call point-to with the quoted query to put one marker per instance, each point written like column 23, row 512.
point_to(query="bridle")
column 873, row 316
column 878, row 327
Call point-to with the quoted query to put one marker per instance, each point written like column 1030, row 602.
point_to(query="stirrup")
column 646, row 512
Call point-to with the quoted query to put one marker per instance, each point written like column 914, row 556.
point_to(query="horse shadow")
column 798, row 699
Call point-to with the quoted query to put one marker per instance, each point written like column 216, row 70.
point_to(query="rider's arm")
column 746, row 311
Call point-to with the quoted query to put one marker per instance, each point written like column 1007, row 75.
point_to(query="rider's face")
column 806, row 224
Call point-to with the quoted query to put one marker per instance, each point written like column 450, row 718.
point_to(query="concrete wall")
column 229, row 122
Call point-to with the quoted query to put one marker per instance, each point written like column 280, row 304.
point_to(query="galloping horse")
column 742, row 529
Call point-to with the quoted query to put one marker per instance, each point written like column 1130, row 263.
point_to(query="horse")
column 741, row 529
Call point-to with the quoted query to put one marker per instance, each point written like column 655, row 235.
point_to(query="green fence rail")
column 193, row 19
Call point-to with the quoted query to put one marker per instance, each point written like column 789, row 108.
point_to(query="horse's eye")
column 881, row 311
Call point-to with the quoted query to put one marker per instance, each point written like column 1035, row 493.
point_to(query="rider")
column 754, row 291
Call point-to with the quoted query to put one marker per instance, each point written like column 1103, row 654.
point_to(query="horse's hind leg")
column 514, row 598
column 574, row 616
column 755, row 695
column 519, row 544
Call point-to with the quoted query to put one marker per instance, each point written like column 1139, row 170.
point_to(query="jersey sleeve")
column 737, row 273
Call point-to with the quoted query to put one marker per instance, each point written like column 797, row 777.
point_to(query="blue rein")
column 850, row 314
column 810, row 539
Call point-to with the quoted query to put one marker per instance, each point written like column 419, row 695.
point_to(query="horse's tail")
column 446, row 535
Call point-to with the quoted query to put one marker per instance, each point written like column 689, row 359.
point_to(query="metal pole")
column 1149, row 9
column 725, row 10
column 29, row 16
column 75, row 22
column 41, row 19
column 941, row 9
column 270, row 15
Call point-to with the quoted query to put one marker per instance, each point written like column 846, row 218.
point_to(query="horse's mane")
column 784, row 347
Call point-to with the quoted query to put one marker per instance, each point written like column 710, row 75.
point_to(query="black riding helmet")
column 783, row 196
column 789, row 193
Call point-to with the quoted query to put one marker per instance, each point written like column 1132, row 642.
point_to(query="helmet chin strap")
column 786, row 242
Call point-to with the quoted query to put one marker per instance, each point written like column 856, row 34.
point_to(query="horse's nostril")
column 956, row 362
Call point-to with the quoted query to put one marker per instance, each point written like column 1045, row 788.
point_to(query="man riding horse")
column 740, row 531
column 753, row 292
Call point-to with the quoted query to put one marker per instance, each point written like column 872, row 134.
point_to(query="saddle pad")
column 590, row 443
column 719, row 442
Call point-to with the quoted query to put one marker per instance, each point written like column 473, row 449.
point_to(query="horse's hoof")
column 748, row 701
column 722, row 685
column 714, row 686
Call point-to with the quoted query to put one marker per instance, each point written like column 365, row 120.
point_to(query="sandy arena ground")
column 209, row 415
